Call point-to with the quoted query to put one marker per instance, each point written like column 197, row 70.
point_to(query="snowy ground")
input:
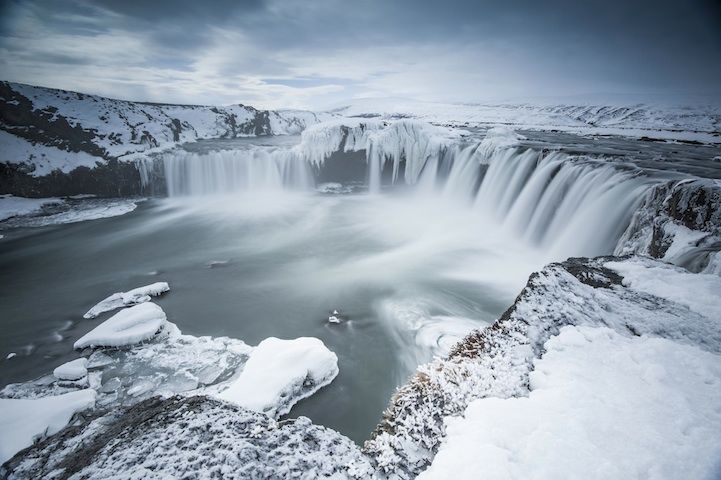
column 602, row 405
column 672, row 122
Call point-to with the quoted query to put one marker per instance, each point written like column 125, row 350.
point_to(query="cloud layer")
column 313, row 54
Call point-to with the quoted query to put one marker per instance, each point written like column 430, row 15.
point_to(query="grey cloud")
column 279, row 48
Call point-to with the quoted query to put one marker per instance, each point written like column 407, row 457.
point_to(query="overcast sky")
column 312, row 54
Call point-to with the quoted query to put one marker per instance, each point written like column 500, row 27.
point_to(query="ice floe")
column 127, row 327
column 131, row 297
column 72, row 370
column 279, row 373
column 22, row 421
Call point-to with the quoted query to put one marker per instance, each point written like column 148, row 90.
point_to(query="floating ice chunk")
column 126, row 327
column 131, row 297
column 217, row 263
column 279, row 373
column 24, row 420
column 73, row 370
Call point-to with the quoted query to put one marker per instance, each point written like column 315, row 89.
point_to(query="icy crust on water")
column 193, row 437
column 131, row 297
column 498, row 361
column 11, row 206
column 24, row 421
column 39, row 212
column 601, row 406
column 679, row 222
column 280, row 373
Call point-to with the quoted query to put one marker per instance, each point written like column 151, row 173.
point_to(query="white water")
column 564, row 206
column 231, row 171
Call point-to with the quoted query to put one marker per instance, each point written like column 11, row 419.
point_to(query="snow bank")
column 279, row 373
column 701, row 293
column 73, row 370
column 601, row 406
column 23, row 421
column 131, row 297
column 11, row 206
column 127, row 327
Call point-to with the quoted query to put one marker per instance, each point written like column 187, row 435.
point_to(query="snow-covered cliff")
column 59, row 135
column 634, row 298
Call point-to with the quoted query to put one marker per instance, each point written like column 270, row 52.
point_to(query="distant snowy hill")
column 697, row 123
column 43, row 129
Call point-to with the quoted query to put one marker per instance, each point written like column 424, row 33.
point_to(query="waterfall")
column 229, row 171
column 562, row 204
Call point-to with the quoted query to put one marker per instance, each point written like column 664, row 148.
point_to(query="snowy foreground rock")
column 23, row 421
column 647, row 310
column 193, row 437
column 627, row 407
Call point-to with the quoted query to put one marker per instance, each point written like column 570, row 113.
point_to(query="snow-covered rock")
column 279, row 373
column 127, row 327
column 626, row 407
column 72, row 370
column 680, row 222
column 131, row 297
column 192, row 437
column 22, row 421
column 498, row 361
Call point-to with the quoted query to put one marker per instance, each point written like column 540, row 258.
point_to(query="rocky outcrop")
column 179, row 437
column 679, row 222
column 497, row 361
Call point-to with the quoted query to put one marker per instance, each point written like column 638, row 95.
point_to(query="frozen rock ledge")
column 191, row 437
column 279, row 373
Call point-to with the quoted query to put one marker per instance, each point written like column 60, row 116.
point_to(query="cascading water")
column 230, row 171
column 561, row 204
